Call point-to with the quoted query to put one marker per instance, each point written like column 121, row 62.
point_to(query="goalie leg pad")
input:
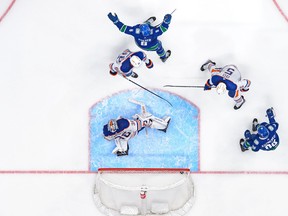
column 121, row 145
column 160, row 124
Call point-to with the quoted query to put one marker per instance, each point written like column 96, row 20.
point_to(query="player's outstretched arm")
column 271, row 115
column 164, row 25
column 121, row 26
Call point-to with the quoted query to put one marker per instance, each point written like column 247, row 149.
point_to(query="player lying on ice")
column 263, row 137
column 227, row 78
column 127, row 61
column 146, row 35
column 122, row 130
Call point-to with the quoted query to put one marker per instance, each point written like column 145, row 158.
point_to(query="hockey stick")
column 161, row 22
column 184, row 86
column 173, row 11
column 147, row 90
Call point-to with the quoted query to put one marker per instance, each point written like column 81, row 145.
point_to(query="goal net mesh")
column 123, row 192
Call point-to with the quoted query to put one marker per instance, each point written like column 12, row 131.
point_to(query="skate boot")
column 254, row 124
column 150, row 20
column 122, row 153
column 134, row 75
column 205, row 65
column 243, row 149
column 238, row 105
column 167, row 55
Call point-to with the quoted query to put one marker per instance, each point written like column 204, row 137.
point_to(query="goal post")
column 144, row 191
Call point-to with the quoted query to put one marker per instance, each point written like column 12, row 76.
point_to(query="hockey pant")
column 158, row 48
column 116, row 70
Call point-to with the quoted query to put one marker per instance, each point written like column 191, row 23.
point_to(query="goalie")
column 122, row 129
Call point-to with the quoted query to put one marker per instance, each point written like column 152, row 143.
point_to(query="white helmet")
column 135, row 61
column 221, row 88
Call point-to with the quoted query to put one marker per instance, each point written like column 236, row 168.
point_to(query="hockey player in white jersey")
column 122, row 130
column 227, row 78
column 127, row 61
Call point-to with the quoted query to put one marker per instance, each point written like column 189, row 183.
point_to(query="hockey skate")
column 150, row 20
column 134, row 75
column 238, row 105
column 167, row 55
column 205, row 65
column 243, row 149
column 122, row 153
column 254, row 124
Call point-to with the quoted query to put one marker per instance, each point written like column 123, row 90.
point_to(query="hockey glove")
column 207, row 87
column 270, row 113
column 113, row 73
column 167, row 18
column 149, row 64
column 113, row 18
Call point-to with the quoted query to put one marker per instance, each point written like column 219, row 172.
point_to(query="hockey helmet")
column 135, row 61
column 112, row 125
column 145, row 29
column 263, row 132
column 221, row 88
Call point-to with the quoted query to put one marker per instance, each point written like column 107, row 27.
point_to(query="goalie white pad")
column 148, row 120
column 121, row 145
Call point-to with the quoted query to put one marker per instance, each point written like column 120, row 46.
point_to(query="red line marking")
column 7, row 10
column 143, row 169
column 280, row 10
column 46, row 172
column 243, row 172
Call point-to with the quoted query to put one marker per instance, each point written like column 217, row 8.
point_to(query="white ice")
column 54, row 58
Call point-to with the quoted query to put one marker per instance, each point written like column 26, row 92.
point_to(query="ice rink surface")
column 54, row 67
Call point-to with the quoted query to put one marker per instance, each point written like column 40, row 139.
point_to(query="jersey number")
column 143, row 43
column 228, row 73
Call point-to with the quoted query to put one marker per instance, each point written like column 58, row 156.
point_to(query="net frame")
column 154, row 209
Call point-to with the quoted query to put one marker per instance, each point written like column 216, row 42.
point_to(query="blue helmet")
column 145, row 29
column 263, row 132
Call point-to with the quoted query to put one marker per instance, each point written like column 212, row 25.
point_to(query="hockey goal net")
column 130, row 191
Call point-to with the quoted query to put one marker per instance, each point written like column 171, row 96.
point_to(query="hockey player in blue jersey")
column 146, row 35
column 122, row 129
column 128, row 60
column 263, row 136
column 227, row 78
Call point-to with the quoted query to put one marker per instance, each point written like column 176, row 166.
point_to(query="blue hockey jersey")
column 150, row 42
column 268, row 144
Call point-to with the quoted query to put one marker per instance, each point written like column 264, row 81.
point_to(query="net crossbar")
column 120, row 192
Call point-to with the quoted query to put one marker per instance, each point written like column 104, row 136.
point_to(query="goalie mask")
column 263, row 132
column 145, row 29
column 221, row 88
column 135, row 61
column 112, row 125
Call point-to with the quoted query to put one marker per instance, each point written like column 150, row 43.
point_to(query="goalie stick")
column 147, row 90
column 143, row 109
